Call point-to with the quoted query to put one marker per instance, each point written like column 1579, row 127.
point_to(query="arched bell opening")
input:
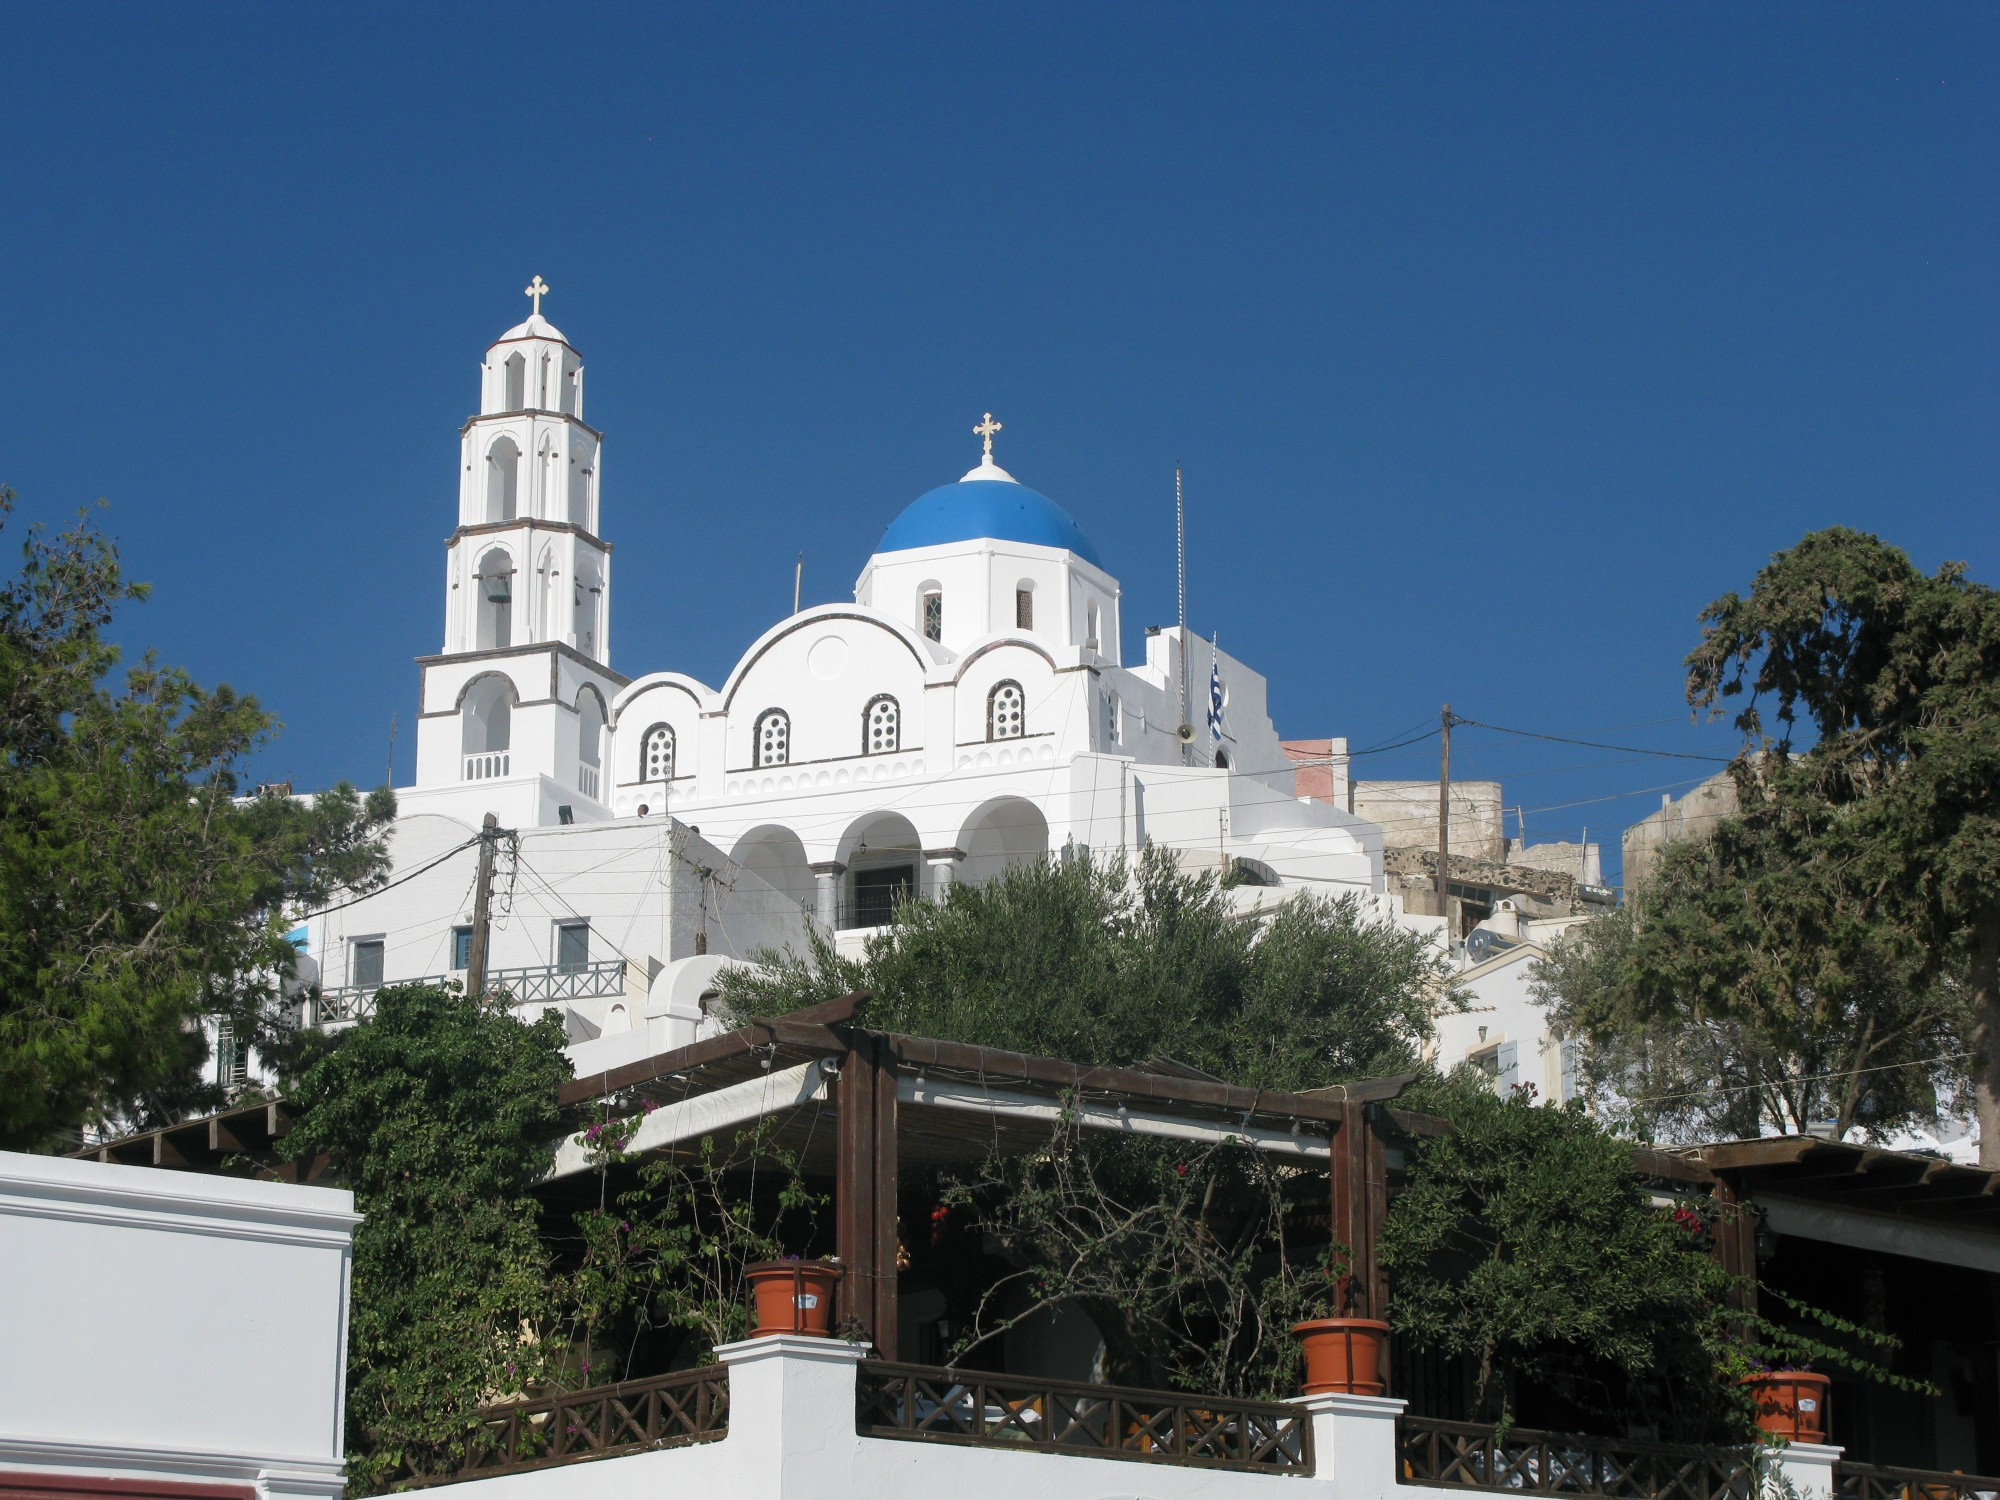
column 486, row 726
column 493, row 584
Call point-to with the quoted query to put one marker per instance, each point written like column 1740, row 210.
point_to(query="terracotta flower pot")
column 1790, row 1404
column 791, row 1296
column 1343, row 1355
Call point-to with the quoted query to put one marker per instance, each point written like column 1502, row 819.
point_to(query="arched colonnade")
column 881, row 858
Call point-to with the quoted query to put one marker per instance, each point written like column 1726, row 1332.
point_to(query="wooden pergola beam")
column 997, row 1066
column 730, row 1044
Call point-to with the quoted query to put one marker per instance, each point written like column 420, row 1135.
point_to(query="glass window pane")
column 461, row 947
column 366, row 970
column 572, row 946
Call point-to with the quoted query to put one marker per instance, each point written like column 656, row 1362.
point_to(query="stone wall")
column 1693, row 816
column 1408, row 814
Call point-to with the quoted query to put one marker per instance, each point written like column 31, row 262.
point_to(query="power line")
column 391, row 885
column 1563, row 739
column 1779, row 1083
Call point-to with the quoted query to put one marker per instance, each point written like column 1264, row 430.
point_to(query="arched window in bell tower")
column 494, row 598
column 589, row 742
column 486, row 721
column 503, row 480
column 587, row 592
column 517, row 382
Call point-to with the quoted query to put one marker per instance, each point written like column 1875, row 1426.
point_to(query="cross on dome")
column 539, row 289
column 986, row 429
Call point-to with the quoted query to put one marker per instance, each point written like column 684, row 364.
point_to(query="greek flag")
column 1214, row 695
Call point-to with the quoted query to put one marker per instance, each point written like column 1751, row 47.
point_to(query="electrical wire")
column 1563, row 739
column 392, row 884
column 1777, row 1083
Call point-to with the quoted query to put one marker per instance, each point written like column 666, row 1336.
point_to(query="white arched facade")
column 970, row 711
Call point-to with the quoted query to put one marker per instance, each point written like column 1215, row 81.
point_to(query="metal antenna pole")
column 798, row 578
column 1444, row 825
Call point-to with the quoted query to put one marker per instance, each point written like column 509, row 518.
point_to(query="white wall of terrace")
column 170, row 1328
column 792, row 1436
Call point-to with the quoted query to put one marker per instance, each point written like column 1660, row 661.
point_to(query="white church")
column 971, row 709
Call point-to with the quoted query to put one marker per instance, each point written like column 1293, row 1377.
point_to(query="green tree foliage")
column 440, row 1113
column 1708, row 1015
column 136, row 896
column 1095, row 962
column 1179, row 1255
column 1525, row 1243
column 1831, row 953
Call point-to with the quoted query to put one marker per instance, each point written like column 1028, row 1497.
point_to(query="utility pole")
column 475, row 964
column 1444, row 825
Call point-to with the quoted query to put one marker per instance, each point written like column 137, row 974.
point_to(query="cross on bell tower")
column 537, row 289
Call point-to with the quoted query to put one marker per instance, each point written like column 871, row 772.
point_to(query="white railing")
column 586, row 780
column 537, row 983
column 487, row 766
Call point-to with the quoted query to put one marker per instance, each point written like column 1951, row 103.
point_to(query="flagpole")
column 1180, row 559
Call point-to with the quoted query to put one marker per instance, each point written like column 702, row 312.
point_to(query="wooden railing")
column 1470, row 1455
column 1097, row 1421
column 1853, row 1481
column 666, row 1411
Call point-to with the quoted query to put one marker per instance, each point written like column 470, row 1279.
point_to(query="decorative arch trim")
column 966, row 661
column 513, row 689
column 633, row 691
column 806, row 622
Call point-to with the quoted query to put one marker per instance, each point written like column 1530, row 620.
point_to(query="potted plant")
column 791, row 1296
column 1789, row 1403
column 1344, row 1354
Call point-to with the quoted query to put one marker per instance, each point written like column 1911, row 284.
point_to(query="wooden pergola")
column 901, row 1100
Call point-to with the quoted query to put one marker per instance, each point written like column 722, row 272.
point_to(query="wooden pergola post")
column 1736, row 1241
column 1360, row 1182
column 864, row 1193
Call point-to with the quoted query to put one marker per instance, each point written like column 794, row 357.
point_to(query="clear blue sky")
column 1496, row 339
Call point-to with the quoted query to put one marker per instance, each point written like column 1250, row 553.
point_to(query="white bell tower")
column 520, row 690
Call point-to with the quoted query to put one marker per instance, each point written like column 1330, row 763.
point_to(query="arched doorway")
column 1005, row 832
column 885, row 861
column 775, row 856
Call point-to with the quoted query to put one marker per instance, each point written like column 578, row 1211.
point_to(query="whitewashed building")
column 971, row 708
column 170, row 1335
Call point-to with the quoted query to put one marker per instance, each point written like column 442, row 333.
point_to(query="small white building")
column 170, row 1334
column 970, row 709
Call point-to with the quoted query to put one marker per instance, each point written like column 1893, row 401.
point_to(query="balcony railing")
column 872, row 906
column 486, row 766
column 536, row 984
column 586, row 781
column 1561, row 1463
column 666, row 1411
column 1097, row 1421
column 1853, row 1481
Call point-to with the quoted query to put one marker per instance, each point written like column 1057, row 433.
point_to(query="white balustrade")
column 486, row 766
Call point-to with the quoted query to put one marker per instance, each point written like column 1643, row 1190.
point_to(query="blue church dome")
column 1002, row 509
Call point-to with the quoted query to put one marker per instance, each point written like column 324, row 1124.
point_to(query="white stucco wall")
column 792, row 1437
column 165, row 1325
